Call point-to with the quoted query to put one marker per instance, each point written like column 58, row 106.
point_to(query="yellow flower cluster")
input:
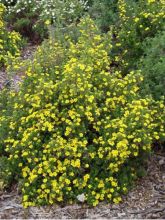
column 75, row 128
column 10, row 42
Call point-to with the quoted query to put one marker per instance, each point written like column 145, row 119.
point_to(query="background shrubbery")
column 30, row 17
column 105, row 13
column 152, row 65
column 138, row 20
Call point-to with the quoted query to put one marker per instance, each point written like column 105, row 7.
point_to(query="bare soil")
column 5, row 80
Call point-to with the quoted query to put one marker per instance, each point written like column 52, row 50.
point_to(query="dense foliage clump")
column 105, row 13
column 75, row 130
column 138, row 20
column 10, row 42
column 152, row 65
column 30, row 17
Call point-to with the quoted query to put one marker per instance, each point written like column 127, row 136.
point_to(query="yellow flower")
column 86, row 177
column 47, row 22
column 136, row 19
column 115, row 153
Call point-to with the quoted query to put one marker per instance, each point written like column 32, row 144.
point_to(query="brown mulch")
column 145, row 201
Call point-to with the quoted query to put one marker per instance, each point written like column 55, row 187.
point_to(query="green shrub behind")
column 138, row 20
column 105, row 13
column 152, row 66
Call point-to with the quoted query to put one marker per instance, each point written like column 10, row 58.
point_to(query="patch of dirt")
column 2, row 79
column 27, row 53
column 145, row 201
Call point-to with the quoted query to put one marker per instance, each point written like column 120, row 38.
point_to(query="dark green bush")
column 152, row 66
column 10, row 41
column 104, row 12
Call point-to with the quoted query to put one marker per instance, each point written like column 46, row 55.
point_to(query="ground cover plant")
column 90, row 104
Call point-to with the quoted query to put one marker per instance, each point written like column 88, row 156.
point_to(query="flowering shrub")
column 137, row 21
column 10, row 42
column 74, row 131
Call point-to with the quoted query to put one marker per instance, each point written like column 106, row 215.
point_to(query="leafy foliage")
column 30, row 17
column 153, row 66
column 105, row 13
column 138, row 20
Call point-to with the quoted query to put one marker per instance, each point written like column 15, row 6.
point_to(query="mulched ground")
column 145, row 201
